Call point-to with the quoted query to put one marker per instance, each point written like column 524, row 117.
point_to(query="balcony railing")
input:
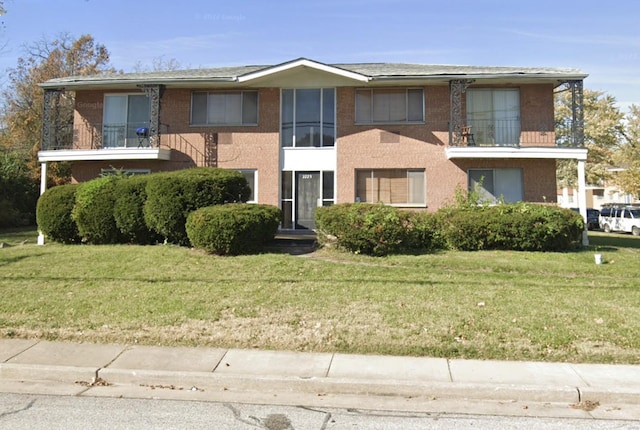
column 478, row 133
column 504, row 133
column 97, row 136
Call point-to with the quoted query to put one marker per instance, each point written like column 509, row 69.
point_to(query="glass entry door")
column 308, row 198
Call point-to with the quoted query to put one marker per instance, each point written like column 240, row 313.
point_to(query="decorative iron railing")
column 480, row 133
column 512, row 132
column 98, row 136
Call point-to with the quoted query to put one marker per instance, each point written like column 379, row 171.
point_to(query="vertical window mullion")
column 321, row 107
column 295, row 108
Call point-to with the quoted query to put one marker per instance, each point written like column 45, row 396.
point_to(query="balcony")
column 100, row 142
column 507, row 133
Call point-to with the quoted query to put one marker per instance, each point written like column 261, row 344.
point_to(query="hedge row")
column 380, row 230
column 140, row 209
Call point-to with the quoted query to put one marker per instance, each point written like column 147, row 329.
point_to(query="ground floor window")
column 403, row 187
column 252, row 179
column 301, row 193
column 496, row 185
column 124, row 172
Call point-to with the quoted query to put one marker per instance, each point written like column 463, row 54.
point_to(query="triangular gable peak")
column 302, row 72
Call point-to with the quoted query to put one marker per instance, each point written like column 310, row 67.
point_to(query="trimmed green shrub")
column 233, row 229
column 93, row 211
column 53, row 214
column 424, row 234
column 363, row 228
column 172, row 196
column 128, row 210
column 516, row 226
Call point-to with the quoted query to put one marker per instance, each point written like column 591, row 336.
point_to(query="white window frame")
column 369, row 111
column 254, row 186
column 211, row 95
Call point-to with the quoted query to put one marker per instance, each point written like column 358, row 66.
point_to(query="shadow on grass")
column 612, row 241
column 19, row 235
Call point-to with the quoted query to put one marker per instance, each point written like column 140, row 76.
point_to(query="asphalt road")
column 34, row 412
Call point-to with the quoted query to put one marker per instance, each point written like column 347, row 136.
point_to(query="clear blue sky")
column 600, row 38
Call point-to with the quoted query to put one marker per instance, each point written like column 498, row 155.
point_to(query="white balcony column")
column 582, row 200
column 43, row 188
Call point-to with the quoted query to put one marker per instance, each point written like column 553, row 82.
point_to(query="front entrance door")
column 307, row 198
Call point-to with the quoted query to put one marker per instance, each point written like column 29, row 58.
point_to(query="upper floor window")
column 494, row 115
column 308, row 117
column 224, row 108
column 389, row 105
column 123, row 115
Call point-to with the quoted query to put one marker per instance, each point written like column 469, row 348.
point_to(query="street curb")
column 340, row 386
column 609, row 395
column 319, row 386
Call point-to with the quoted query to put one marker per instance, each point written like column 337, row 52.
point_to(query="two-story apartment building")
column 307, row 134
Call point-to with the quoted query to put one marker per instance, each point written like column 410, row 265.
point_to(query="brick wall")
column 419, row 146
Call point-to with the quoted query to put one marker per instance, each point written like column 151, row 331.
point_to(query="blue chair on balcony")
column 143, row 136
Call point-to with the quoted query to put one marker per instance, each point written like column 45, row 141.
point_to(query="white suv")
column 624, row 218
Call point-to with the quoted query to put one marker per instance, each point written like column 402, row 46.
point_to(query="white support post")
column 582, row 200
column 43, row 188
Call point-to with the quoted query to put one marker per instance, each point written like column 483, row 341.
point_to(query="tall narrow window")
column 308, row 117
column 123, row 115
column 494, row 116
column 252, row 179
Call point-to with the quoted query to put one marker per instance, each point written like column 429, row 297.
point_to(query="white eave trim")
column 303, row 63
column 105, row 154
column 517, row 152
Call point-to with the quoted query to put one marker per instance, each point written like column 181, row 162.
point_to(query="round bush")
column 172, row 196
column 93, row 211
column 129, row 198
column 363, row 228
column 53, row 214
column 233, row 229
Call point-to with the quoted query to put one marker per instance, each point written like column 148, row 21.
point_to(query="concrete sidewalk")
column 255, row 376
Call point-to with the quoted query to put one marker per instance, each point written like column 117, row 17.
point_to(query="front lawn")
column 488, row 305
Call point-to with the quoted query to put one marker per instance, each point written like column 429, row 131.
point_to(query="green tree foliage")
column 603, row 124
column 23, row 98
column 627, row 157
column 18, row 191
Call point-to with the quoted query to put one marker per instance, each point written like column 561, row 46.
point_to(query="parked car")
column 620, row 218
column 593, row 218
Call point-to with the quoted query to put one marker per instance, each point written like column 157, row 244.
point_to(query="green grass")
column 487, row 305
